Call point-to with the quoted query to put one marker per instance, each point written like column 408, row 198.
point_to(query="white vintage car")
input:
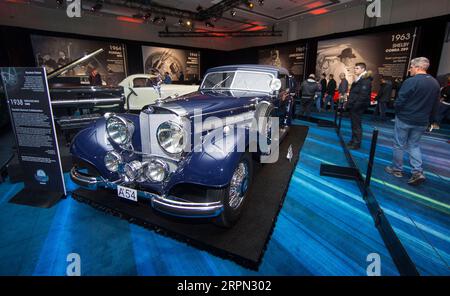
column 143, row 89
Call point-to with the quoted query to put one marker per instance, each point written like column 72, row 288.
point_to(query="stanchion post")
column 373, row 146
column 340, row 123
column 335, row 116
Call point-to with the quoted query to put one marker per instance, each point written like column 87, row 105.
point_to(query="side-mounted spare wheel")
column 235, row 195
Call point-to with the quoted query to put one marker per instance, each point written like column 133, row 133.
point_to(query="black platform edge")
column 171, row 234
column 39, row 199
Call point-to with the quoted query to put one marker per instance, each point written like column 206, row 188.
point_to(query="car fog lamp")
column 119, row 130
column 156, row 171
column 133, row 170
column 112, row 161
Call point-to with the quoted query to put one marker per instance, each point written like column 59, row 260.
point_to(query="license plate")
column 127, row 193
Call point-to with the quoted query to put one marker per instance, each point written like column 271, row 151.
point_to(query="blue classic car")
column 191, row 156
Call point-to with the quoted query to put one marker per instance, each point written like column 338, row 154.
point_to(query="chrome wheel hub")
column 239, row 185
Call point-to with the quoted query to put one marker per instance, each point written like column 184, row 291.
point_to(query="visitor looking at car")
column 331, row 89
column 342, row 89
column 95, row 78
column 323, row 86
column 417, row 101
column 444, row 107
column 382, row 98
column 308, row 90
column 167, row 78
column 358, row 102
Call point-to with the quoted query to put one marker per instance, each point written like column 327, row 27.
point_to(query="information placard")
column 31, row 115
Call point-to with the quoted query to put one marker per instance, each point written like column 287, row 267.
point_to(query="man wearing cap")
column 308, row 90
column 345, row 65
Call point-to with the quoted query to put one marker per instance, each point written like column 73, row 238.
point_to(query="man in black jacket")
column 308, row 89
column 323, row 87
column 417, row 101
column 383, row 97
column 331, row 89
column 358, row 102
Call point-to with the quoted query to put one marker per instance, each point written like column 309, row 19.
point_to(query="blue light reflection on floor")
column 324, row 228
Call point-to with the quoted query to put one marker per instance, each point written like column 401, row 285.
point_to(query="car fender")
column 212, row 166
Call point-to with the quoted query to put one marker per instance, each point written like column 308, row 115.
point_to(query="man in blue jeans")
column 417, row 102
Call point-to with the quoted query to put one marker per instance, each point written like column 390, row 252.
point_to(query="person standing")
column 417, row 101
column 444, row 107
column 342, row 89
column 318, row 96
column 358, row 102
column 382, row 98
column 331, row 89
column 181, row 77
column 323, row 86
column 95, row 78
column 167, row 78
column 308, row 90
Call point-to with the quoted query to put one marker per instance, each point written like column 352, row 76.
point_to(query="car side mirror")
column 275, row 84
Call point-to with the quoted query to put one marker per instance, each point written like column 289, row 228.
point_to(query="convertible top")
column 254, row 67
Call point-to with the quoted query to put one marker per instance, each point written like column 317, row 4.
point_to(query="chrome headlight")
column 119, row 130
column 112, row 161
column 156, row 171
column 170, row 137
column 133, row 170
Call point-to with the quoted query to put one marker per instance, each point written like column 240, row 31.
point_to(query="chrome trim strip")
column 167, row 205
column 89, row 101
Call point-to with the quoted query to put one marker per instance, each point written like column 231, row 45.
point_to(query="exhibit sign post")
column 31, row 115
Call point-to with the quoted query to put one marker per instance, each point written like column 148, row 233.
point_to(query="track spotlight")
column 97, row 6
column 209, row 25
column 188, row 23
column 250, row 4
column 233, row 12
column 147, row 16
column 261, row 2
column 158, row 20
column 59, row 2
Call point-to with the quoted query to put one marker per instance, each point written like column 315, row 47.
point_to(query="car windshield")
column 238, row 80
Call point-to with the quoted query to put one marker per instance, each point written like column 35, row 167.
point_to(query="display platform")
column 246, row 242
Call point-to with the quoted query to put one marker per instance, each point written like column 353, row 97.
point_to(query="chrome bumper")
column 160, row 203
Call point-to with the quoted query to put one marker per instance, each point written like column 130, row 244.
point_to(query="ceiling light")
column 250, row 4
column 59, row 2
column 261, row 2
column 233, row 12
column 188, row 23
column 97, row 6
column 147, row 16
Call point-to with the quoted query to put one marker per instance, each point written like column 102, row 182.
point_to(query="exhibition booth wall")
column 300, row 55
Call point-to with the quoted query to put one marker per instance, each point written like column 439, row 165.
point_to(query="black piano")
column 75, row 103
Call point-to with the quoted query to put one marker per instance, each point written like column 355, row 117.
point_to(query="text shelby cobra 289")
column 191, row 156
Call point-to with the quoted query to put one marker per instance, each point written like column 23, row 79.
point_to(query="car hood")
column 212, row 102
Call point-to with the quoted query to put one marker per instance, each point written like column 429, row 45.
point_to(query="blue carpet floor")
column 324, row 227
